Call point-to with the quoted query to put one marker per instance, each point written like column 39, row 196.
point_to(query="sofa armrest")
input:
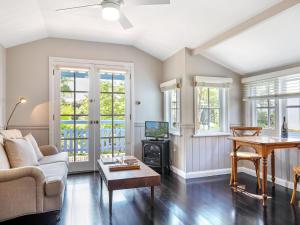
column 22, row 189
column 17, row 173
column 48, row 150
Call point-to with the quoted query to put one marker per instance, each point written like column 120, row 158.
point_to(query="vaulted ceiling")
column 161, row 30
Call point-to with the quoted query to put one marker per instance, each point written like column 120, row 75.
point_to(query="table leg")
column 152, row 195
column 273, row 168
column 264, row 186
column 110, row 201
column 234, row 164
column 101, row 183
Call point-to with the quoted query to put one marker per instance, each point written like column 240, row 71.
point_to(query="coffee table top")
column 143, row 172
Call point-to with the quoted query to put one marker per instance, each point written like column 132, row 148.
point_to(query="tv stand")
column 156, row 154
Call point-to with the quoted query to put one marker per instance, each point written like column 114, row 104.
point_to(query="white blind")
column 277, row 87
column 171, row 84
column 222, row 82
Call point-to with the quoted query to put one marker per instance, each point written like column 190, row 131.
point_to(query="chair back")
column 240, row 131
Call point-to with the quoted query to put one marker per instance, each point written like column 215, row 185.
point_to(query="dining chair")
column 241, row 131
column 296, row 179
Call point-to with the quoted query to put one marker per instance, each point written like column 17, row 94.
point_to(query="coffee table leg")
column 152, row 195
column 110, row 202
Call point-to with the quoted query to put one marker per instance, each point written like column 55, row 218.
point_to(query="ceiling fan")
column 111, row 9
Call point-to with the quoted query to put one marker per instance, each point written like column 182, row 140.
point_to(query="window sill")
column 212, row 134
column 175, row 134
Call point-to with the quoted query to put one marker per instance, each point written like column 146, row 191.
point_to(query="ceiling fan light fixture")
column 111, row 11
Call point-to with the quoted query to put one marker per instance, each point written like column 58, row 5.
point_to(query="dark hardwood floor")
column 198, row 201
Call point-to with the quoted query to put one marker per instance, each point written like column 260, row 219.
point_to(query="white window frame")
column 168, row 87
column 212, row 82
column 280, row 97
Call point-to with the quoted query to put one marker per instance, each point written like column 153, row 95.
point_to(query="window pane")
column 106, row 126
column 262, row 103
column 106, row 145
column 119, row 126
column 215, row 119
column 119, row 104
column 272, row 103
column 82, row 103
column 203, row 119
column 293, row 102
column 82, row 81
column 67, row 81
column 105, row 104
column 67, row 103
column 66, row 127
column 272, row 118
column 119, row 83
column 293, row 119
column 82, row 127
column 106, row 82
column 203, row 97
column 82, row 150
column 262, row 118
column 68, row 146
column 214, row 97
column 119, row 145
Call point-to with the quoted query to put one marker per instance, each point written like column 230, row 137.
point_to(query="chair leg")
column 295, row 189
column 232, row 171
column 257, row 169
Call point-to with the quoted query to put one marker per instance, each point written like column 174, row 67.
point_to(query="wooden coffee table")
column 117, row 180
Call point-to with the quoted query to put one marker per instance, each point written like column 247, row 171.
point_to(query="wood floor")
column 199, row 201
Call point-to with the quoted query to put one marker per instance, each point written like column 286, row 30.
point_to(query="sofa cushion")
column 35, row 146
column 11, row 134
column 20, row 153
column 4, row 163
column 59, row 157
column 56, row 177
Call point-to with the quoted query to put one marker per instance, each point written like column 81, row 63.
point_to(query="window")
column 265, row 113
column 211, row 104
column 171, row 90
column 272, row 97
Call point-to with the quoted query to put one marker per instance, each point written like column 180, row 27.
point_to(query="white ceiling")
column 162, row 30
column 271, row 44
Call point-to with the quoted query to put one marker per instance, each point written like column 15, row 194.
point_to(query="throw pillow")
column 20, row 153
column 35, row 146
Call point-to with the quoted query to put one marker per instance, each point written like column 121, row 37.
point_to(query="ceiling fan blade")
column 148, row 2
column 78, row 7
column 125, row 23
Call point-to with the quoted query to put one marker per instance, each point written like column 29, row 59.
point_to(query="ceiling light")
column 111, row 11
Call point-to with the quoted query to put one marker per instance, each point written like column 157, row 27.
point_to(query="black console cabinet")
column 156, row 154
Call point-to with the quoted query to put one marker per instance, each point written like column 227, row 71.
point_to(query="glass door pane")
column 112, row 113
column 74, row 114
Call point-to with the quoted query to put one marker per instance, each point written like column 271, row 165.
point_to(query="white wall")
column 197, row 154
column 27, row 70
column 2, row 85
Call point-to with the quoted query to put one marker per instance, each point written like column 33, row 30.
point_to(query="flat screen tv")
column 157, row 130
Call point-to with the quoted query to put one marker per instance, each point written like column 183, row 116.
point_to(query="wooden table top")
column 143, row 172
column 266, row 140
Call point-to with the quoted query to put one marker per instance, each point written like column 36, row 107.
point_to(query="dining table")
column 264, row 146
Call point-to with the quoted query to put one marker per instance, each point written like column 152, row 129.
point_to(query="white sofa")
column 33, row 189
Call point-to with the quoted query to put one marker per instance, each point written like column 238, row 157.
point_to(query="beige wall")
column 2, row 85
column 27, row 66
column 27, row 75
column 193, row 154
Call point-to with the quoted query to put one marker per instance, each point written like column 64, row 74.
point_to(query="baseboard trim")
column 198, row 174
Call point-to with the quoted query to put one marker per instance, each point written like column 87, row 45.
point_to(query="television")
column 157, row 130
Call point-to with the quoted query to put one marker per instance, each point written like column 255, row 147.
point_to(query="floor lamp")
column 21, row 101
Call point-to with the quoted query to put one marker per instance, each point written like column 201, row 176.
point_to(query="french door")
column 91, row 112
